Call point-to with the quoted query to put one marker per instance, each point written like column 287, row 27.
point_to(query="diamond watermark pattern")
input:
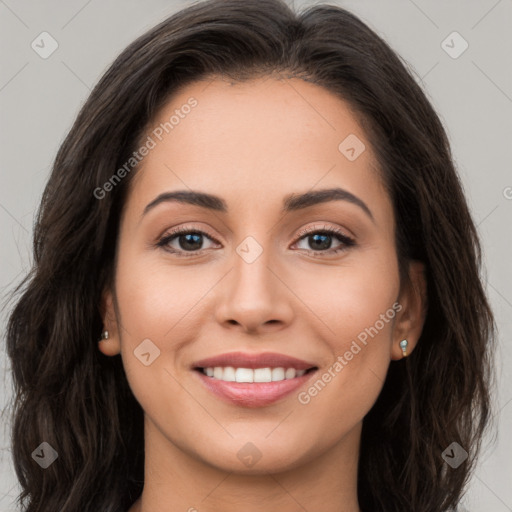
column 454, row 45
column 249, row 249
column 351, row 147
column 249, row 455
column 44, row 455
column 455, row 455
column 147, row 352
column 44, row 45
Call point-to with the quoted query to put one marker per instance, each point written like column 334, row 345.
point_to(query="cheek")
column 345, row 301
column 161, row 304
column 155, row 299
column 153, row 316
column 364, row 311
column 357, row 309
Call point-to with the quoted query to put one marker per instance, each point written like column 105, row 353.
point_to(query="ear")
column 411, row 317
column 112, row 345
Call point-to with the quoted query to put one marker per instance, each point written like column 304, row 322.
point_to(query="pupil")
column 189, row 245
column 325, row 244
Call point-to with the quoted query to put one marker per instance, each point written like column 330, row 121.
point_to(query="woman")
column 257, row 213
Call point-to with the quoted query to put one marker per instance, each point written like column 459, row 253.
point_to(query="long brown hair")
column 72, row 397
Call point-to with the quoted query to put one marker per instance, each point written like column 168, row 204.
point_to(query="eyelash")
column 347, row 241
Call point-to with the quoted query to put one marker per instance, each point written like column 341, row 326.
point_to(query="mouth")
column 253, row 380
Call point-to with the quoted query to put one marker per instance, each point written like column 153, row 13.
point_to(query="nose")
column 253, row 297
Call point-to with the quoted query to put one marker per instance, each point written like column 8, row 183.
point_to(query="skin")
column 252, row 144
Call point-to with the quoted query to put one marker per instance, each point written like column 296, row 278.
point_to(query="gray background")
column 39, row 99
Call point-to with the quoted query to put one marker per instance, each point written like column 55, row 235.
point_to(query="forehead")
column 256, row 141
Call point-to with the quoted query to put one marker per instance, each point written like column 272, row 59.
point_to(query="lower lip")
column 257, row 394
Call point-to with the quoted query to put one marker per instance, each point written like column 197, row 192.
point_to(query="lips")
column 247, row 360
column 250, row 393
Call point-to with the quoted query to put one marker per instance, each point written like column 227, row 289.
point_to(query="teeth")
column 278, row 374
column 231, row 374
column 290, row 373
column 262, row 375
column 243, row 375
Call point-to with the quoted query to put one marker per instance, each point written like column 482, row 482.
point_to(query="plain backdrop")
column 472, row 93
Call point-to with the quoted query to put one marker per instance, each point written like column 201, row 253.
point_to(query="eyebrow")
column 291, row 202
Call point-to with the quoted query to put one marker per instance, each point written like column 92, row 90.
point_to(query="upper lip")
column 248, row 360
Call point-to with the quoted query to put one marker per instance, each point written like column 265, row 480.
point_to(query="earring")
column 403, row 346
column 104, row 335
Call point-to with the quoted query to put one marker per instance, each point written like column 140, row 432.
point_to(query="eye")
column 185, row 242
column 321, row 240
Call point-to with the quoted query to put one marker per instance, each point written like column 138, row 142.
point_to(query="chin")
column 258, row 458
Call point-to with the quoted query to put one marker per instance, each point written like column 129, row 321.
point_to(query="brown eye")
column 321, row 241
column 185, row 242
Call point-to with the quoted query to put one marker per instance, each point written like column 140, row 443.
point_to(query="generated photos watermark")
column 341, row 361
column 157, row 135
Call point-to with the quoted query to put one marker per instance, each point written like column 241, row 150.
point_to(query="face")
column 257, row 270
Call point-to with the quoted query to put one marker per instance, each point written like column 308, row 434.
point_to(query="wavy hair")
column 68, row 394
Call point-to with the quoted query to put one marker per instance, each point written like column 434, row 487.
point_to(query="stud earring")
column 403, row 346
column 104, row 335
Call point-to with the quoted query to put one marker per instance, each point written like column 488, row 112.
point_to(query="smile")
column 253, row 380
